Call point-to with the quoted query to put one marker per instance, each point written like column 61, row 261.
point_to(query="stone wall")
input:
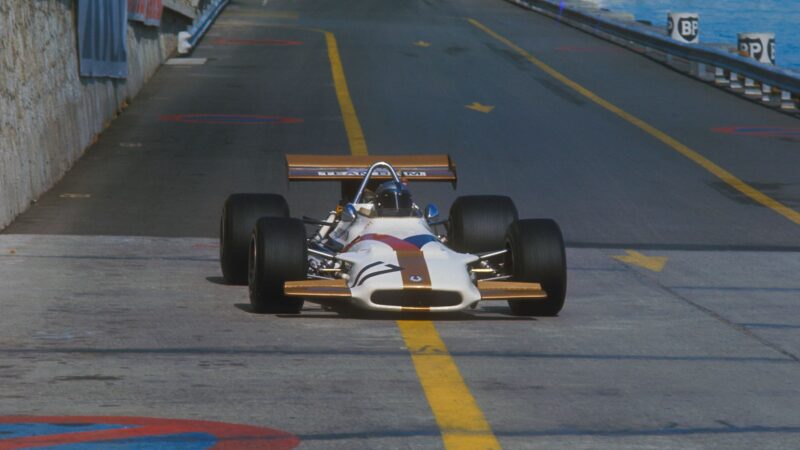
column 48, row 114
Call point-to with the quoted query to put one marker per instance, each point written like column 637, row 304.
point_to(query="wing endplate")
column 510, row 290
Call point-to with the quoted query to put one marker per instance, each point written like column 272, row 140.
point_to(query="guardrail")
column 727, row 67
column 189, row 38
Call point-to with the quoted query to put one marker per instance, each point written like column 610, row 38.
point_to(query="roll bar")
column 369, row 174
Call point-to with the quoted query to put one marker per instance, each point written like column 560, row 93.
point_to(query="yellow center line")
column 673, row 143
column 457, row 413
column 358, row 146
column 460, row 420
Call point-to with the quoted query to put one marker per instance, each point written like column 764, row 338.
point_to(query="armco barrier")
column 726, row 65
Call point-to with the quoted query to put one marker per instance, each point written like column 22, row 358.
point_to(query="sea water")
column 722, row 20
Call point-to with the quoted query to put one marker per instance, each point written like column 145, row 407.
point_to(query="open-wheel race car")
column 378, row 250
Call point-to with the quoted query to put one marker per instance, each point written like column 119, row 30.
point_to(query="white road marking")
column 75, row 195
column 186, row 61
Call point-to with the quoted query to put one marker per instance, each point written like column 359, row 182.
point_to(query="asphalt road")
column 113, row 303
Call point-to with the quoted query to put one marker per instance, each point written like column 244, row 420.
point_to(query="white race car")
column 379, row 251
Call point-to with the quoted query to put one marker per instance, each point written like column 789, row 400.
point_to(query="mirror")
column 349, row 213
column 431, row 212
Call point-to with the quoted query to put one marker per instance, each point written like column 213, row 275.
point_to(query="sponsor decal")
column 363, row 172
column 752, row 47
column 410, row 259
column 760, row 49
column 380, row 268
column 771, row 50
column 688, row 28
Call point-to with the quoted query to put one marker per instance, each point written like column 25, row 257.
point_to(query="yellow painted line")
column 457, row 414
column 358, row 146
column 653, row 263
column 355, row 136
column 475, row 106
column 673, row 143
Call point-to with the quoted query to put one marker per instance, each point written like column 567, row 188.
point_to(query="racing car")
column 378, row 250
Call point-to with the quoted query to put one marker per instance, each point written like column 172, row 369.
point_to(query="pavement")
column 680, row 328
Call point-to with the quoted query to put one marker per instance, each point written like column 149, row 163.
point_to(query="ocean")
column 722, row 20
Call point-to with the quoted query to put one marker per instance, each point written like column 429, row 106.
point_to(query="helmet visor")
column 395, row 203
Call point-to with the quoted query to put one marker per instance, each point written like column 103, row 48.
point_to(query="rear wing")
column 354, row 168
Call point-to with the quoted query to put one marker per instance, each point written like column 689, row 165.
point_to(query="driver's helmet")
column 393, row 199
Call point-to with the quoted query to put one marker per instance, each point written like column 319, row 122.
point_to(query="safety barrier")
column 777, row 87
column 189, row 38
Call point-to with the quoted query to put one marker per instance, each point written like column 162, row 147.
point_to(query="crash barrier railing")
column 777, row 87
column 189, row 38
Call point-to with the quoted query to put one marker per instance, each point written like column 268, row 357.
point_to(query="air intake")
column 415, row 298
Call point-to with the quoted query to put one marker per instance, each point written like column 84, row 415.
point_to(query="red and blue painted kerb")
column 269, row 42
column 227, row 119
column 785, row 132
column 136, row 433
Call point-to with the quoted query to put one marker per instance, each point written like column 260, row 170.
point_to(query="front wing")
column 328, row 291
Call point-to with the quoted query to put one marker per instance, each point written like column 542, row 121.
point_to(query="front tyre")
column 239, row 216
column 536, row 255
column 278, row 253
column 478, row 223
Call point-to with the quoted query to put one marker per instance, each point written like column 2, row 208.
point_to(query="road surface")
column 681, row 324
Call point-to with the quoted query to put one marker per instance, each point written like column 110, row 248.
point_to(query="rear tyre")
column 478, row 223
column 278, row 253
column 536, row 254
column 239, row 216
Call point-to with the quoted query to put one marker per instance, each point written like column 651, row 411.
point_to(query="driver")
column 393, row 199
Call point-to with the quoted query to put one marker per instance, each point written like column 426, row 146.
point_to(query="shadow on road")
column 497, row 314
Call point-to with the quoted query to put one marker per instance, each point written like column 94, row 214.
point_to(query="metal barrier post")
column 787, row 103
column 736, row 85
column 719, row 77
column 766, row 90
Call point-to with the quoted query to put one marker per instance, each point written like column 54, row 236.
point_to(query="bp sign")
column 684, row 27
column 759, row 46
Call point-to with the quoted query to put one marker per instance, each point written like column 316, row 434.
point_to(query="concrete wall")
column 48, row 114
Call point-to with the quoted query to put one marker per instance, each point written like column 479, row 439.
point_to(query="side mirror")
column 431, row 212
column 349, row 213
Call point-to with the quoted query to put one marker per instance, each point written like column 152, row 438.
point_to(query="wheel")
column 478, row 223
column 536, row 254
column 239, row 216
column 278, row 253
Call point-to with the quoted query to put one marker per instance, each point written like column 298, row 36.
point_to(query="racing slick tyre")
column 478, row 223
column 239, row 216
column 536, row 254
column 278, row 253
